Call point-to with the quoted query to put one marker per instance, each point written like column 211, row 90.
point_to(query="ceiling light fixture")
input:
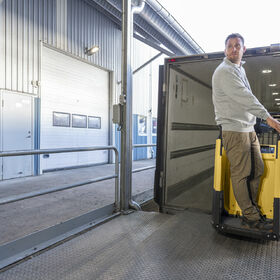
column 272, row 85
column 265, row 71
column 277, row 99
column 92, row 50
column 275, row 93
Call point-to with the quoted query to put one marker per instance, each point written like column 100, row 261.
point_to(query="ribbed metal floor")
column 147, row 245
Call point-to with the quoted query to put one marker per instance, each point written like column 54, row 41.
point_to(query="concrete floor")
column 24, row 217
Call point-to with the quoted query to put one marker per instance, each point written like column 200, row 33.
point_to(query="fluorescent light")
column 275, row 93
column 272, row 85
column 265, row 71
column 277, row 99
column 277, row 103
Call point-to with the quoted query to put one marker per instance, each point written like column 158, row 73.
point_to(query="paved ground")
column 24, row 217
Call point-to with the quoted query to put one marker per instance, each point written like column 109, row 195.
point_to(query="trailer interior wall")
column 189, row 102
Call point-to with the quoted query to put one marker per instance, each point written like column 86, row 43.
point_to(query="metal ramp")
column 149, row 245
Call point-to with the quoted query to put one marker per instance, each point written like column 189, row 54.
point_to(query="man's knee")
column 240, row 165
column 259, row 169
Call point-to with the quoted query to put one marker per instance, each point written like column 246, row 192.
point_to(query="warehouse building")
column 84, row 98
column 60, row 77
column 56, row 93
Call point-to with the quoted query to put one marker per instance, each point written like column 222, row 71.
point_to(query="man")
column 236, row 109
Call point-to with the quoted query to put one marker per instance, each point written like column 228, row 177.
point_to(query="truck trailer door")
column 186, row 138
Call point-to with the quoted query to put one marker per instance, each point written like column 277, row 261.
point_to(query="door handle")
column 29, row 136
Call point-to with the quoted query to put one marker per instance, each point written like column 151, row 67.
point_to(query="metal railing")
column 15, row 198
column 143, row 145
column 28, row 245
column 147, row 167
column 56, row 189
column 268, row 138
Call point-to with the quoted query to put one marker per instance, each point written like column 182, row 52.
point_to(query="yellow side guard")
column 270, row 181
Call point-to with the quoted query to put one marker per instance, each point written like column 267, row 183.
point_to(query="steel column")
column 126, row 101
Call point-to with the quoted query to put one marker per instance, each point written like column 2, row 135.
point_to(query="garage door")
column 74, row 110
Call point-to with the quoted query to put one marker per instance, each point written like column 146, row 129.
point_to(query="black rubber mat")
column 146, row 245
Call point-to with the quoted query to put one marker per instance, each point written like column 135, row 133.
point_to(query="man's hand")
column 273, row 123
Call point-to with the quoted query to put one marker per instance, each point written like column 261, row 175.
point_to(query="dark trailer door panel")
column 186, row 135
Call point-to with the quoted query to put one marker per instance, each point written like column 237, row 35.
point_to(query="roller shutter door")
column 71, row 88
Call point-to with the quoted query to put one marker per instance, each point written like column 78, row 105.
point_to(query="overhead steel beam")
column 147, row 62
column 155, row 24
column 166, row 24
column 154, row 32
column 153, row 45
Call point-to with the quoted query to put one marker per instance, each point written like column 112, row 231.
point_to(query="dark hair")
column 234, row 35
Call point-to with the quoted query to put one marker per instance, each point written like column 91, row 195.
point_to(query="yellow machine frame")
column 269, row 187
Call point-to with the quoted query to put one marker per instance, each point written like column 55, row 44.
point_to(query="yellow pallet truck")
column 225, row 210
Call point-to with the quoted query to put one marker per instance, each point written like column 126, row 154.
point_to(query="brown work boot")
column 263, row 217
column 256, row 224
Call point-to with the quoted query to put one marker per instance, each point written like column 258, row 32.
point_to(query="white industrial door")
column 73, row 88
column 17, row 124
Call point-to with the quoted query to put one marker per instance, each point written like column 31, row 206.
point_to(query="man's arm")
column 273, row 123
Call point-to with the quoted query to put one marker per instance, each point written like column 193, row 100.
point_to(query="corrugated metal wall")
column 25, row 23
column 145, row 96
column 88, row 27
column 138, row 153
column 68, row 25
column 145, row 82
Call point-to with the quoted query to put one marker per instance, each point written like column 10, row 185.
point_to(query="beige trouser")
column 246, row 167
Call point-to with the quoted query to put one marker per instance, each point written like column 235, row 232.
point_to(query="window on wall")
column 79, row 121
column 61, row 119
column 94, row 122
column 154, row 126
column 142, row 125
